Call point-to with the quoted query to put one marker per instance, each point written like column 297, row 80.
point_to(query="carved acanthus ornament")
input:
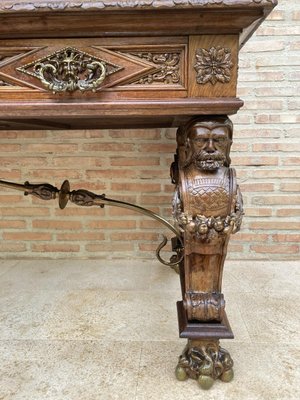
column 168, row 68
column 203, row 306
column 58, row 5
column 213, row 65
column 70, row 69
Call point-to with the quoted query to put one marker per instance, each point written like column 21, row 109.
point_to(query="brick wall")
column 133, row 165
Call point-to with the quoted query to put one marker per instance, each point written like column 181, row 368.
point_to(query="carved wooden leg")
column 207, row 209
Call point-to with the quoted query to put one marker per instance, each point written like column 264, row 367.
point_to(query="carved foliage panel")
column 169, row 64
column 213, row 64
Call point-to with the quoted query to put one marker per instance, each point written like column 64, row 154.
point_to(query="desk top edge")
column 29, row 6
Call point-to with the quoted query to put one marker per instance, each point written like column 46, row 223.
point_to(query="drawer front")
column 100, row 69
column 112, row 69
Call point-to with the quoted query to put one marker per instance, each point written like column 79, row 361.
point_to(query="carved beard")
column 207, row 161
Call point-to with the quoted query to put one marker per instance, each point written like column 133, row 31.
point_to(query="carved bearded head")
column 207, row 142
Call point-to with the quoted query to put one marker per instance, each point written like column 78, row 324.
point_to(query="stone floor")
column 93, row 330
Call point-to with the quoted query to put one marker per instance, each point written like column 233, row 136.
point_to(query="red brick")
column 278, row 31
column 276, row 200
column 78, row 161
column 7, row 147
column 275, row 173
column 110, row 247
column 283, row 238
column 50, row 148
column 151, row 247
column 286, row 147
column 257, row 187
column 56, row 224
column 263, row 46
column 128, row 236
column 31, row 134
column 276, row 249
column 99, row 147
column 25, row 211
column 235, row 248
column 258, row 212
column 150, row 224
column 28, row 236
column 12, row 247
column 288, row 212
column 291, row 161
column 274, row 225
column 54, row 248
column 157, row 148
column 23, row 161
column 134, row 161
column 140, row 134
column 107, row 225
column 12, row 224
column 255, row 160
column 290, row 187
column 250, row 237
column 83, row 236
column 111, row 173
column 136, row 187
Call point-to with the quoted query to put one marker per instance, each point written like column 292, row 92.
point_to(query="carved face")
column 208, row 145
column 69, row 65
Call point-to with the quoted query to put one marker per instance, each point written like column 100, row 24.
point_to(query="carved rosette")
column 205, row 361
column 213, row 65
column 168, row 68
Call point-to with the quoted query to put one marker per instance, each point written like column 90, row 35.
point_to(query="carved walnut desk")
column 145, row 63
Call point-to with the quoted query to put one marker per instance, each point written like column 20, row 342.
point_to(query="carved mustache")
column 205, row 156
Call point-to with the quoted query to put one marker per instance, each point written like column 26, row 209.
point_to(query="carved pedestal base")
column 205, row 361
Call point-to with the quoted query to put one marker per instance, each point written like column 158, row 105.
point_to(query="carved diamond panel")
column 66, row 69
column 69, row 69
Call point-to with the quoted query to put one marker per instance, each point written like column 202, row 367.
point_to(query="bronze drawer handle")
column 65, row 76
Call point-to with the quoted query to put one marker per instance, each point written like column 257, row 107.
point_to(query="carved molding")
column 213, row 65
column 58, row 5
column 4, row 58
column 2, row 83
column 168, row 68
